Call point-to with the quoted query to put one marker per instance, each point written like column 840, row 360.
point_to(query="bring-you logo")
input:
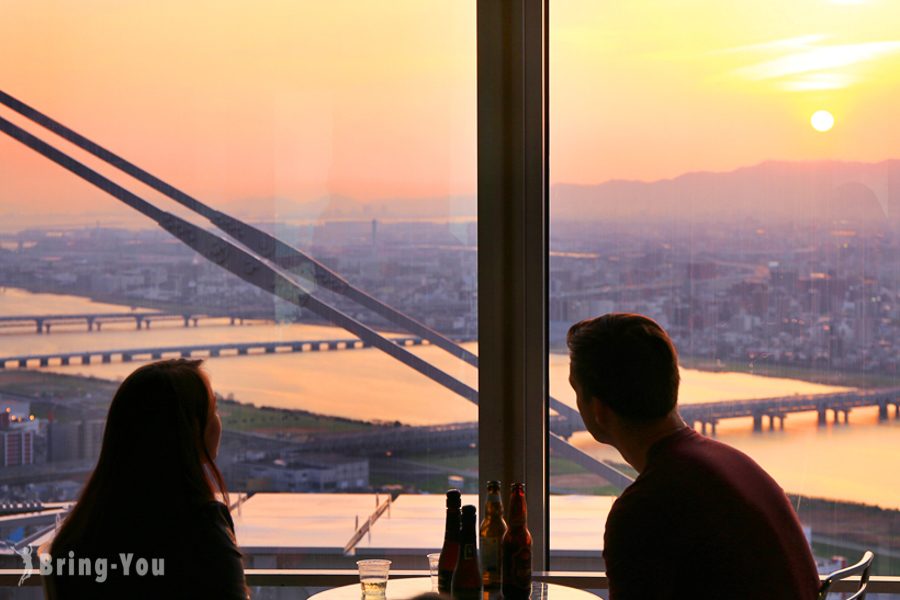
column 73, row 566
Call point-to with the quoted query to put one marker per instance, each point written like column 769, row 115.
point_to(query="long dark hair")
column 154, row 466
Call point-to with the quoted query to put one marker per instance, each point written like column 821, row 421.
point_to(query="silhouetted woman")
column 152, row 496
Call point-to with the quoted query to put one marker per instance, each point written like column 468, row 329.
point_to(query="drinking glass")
column 433, row 560
column 373, row 576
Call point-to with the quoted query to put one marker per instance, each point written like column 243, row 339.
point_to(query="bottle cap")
column 454, row 499
column 468, row 511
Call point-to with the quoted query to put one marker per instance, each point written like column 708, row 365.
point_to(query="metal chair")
column 861, row 568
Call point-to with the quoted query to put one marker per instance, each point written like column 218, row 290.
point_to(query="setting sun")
column 822, row 120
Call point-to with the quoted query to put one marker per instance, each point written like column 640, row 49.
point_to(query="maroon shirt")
column 705, row 521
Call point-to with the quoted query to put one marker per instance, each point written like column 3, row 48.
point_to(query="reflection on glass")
column 346, row 132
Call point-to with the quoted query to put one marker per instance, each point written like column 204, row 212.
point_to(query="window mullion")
column 513, row 252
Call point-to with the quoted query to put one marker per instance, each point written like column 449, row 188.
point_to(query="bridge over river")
column 404, row 439
column 704, row 416
column 384, row 440
column 708, row 414
column 142, row 319
column 86, row 357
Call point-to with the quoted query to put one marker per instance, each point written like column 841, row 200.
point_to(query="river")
column 858, row 462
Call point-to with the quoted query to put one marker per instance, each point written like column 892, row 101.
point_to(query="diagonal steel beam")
column 264, row 244
column 240, row 262
column 253, row 270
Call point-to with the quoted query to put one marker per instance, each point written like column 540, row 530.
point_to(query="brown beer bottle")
column 493, row 528
column 450, row 550
column 517, row 548
column 466, row 584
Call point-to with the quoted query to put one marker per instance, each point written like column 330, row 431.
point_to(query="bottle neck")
column 468, row 531
column 518, row 512
column 494, row 506
column 451, row 530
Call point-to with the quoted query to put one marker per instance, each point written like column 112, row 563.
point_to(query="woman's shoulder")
column 215, row 511
column 217, row 562
column 213, row 520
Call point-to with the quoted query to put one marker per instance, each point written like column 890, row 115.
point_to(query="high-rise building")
column 16, row 447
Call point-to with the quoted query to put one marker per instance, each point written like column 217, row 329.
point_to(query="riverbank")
column 765, row 369
column 62, row 394
column 287, row 312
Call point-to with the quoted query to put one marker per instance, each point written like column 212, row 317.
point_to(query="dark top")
column 705, row 521
column 201, row 560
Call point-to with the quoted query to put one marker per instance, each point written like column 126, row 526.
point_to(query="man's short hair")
column 628, row 362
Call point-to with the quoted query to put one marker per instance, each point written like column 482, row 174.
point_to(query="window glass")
column 730, row 170
column 345, row 130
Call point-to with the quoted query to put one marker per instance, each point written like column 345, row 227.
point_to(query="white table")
column 404, row 589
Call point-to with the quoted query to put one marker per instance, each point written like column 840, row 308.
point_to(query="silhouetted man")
column 702, row 520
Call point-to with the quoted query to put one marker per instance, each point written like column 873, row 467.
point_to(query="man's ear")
column 597, row 409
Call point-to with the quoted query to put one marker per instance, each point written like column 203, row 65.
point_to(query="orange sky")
column 292, row 100
column 655, row 88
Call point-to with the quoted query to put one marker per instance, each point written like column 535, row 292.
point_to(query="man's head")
column 627, row 364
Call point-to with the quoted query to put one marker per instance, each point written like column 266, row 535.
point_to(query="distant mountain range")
column 772, row 191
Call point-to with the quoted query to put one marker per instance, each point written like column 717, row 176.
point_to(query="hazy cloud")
column 800, row 42
column 809, row 64
column 819, row 81
column 820, row 59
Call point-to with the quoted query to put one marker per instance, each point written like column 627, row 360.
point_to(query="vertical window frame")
column 513, row 257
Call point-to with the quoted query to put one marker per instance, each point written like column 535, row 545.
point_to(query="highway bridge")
column 141, row 319
column 708, row 414
column 411, row 440
column 459, row 436
column 381, row 440
column 86, row 357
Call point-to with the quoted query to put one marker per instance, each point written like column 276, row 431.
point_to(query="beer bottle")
column 493, row 528
column 516, row 552
column 450, row 550
column 466, row 583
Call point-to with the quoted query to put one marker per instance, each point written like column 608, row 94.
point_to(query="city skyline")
column 859, row 191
